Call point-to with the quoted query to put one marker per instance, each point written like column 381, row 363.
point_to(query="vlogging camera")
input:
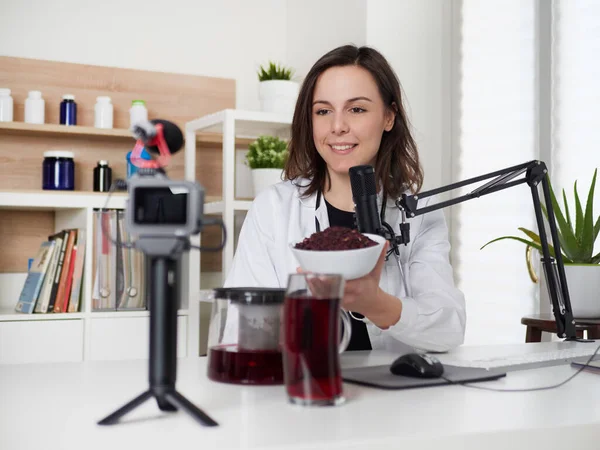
column 163, row 214
column 161, row 207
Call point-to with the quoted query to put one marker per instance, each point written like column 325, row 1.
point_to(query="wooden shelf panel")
column 28, row 129
column 21, row 233
column 173, row 96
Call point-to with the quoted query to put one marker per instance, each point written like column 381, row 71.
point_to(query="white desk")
column 57, row 407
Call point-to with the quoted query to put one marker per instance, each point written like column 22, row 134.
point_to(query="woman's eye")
column 357, row 109
column 322, row 112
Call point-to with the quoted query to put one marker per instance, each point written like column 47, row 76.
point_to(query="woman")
column 349, row 112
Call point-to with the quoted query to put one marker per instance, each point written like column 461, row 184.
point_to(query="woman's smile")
column 342, row 148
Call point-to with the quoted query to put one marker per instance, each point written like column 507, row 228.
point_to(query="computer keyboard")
column 531, row 360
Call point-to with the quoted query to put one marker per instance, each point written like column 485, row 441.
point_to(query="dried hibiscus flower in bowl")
column 336, row 238
column 339, row 250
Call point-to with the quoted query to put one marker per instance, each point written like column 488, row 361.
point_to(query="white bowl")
column 351, row 264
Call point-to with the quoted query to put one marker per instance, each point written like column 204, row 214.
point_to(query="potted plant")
column 577, row 238
column 266, row 158
column 277, row 92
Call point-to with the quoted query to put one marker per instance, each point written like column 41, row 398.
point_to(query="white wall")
column 226, row 38
column 315, row 27
column 414, row 35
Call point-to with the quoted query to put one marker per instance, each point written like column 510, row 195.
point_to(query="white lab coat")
column 433, row 309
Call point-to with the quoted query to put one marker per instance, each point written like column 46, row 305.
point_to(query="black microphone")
column 146, row 131
column 364, row 195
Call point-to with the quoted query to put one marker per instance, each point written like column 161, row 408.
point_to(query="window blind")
column 494, row 123
column 575, row 95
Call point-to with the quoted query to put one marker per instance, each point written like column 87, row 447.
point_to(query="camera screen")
column 160, row 206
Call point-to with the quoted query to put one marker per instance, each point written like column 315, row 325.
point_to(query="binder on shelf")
column 131, row 266
column 118, row 271
column 103, row 295
column 35, row 278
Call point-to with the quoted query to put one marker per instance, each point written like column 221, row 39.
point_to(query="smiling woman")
column 349, row 119
column 350, row 112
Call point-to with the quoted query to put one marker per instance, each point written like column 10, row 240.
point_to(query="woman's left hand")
column 363, row 295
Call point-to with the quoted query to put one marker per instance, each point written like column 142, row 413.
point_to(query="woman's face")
column 348, row 118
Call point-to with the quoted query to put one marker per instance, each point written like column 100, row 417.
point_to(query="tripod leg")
column 179, row 400
column 114, row 417
column 164, row 404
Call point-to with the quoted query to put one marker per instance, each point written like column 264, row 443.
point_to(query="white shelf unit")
column 85, row 335
column 232, row 124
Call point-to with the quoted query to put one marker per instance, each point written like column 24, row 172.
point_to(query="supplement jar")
column 58, row 171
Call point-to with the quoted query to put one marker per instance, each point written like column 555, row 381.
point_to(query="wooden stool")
column 546, row 322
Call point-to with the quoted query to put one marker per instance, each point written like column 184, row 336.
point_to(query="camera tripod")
column 163, row 256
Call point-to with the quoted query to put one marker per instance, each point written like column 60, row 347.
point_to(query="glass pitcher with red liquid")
column 244, row 336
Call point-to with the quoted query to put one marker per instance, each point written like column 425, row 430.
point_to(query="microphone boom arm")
column 535, row 173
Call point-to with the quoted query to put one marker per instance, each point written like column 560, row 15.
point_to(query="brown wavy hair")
column 397, row 164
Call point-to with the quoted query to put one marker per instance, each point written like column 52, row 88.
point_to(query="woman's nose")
column 339, row 124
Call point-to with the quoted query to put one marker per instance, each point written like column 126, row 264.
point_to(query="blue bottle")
column 131, row 169
column 68, row 110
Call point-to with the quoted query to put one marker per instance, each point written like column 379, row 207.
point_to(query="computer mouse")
column 417, row 365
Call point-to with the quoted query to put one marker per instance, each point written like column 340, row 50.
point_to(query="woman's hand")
column 364, row 296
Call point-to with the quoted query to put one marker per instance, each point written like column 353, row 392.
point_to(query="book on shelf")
column 63, row 237
column 35, row 278
column 44, row 298
column 61, row 284
column 63, row 279
column 118, row 270
column 75, row 294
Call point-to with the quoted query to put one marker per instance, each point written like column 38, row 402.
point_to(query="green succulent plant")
column 274, row 72
column 576, row 238
column 267, row 152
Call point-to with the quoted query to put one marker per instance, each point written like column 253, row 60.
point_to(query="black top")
column 360, row 336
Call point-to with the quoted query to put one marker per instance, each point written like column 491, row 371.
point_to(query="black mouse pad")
column 381, row 377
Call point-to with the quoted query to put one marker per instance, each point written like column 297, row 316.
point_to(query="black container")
column 102, row 177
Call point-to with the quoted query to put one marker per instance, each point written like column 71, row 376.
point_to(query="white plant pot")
column 584, row 290
column 278, row 96
column 263, row 178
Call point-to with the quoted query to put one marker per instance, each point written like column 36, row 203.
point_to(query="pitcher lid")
column 251, row 296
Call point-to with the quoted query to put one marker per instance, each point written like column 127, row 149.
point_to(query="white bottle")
column 6, row 106
column 103, row 112
column 34, row 107
column 138, row 112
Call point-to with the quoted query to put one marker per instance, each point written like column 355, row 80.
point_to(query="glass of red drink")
column 311, row 339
